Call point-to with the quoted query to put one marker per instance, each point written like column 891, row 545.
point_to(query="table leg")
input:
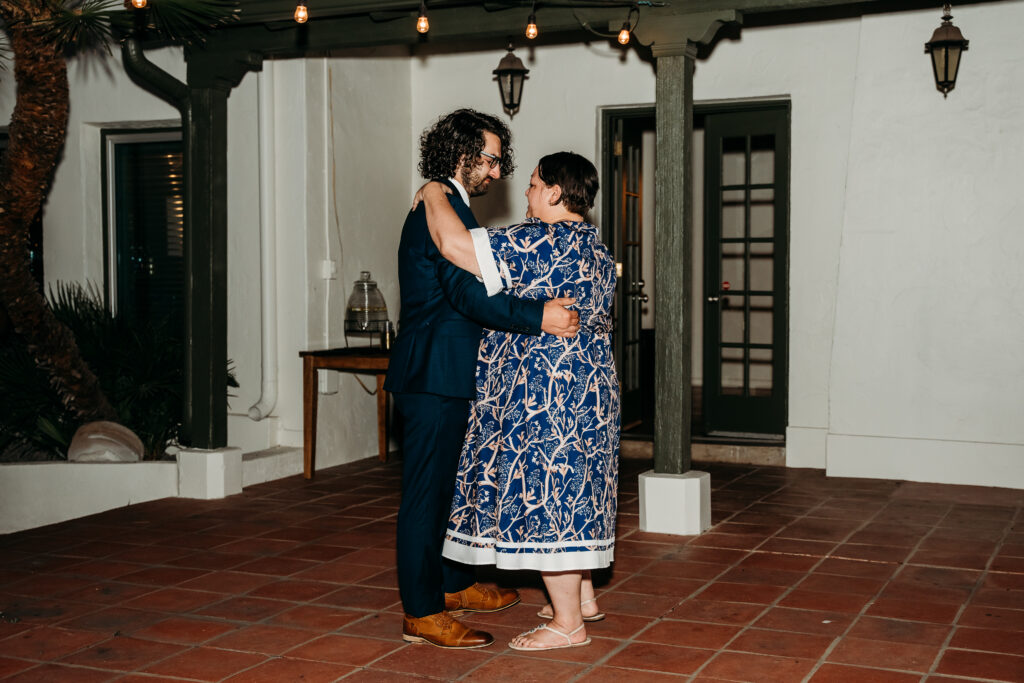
column 309, row 399
column 382, row 420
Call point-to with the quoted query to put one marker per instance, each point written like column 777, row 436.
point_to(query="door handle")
column 644, row 298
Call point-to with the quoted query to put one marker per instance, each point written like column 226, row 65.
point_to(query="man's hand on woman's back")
column 559, row 320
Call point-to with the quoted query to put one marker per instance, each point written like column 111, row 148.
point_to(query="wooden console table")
column 364, row 361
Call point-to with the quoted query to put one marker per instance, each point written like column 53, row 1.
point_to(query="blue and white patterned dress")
column 538, row 475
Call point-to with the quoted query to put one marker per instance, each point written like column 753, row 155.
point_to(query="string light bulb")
column 531, row 26
column 138, row 4
column 627, row 27
column 624, row 34
column 422, row 23
column 301, row 12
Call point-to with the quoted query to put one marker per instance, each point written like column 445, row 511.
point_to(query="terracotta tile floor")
column 802, row 578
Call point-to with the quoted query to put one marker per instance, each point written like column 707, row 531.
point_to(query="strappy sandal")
column 592, row 618
column 545, row 627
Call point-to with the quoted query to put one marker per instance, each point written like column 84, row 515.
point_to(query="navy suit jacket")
column 444, row 309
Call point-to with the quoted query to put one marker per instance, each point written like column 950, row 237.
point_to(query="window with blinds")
column 145, row 199
column 35, row 230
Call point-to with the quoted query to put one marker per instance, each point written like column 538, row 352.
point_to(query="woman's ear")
column 556, row 195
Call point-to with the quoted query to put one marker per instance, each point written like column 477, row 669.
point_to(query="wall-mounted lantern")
column 945, row 47
column 510, row 75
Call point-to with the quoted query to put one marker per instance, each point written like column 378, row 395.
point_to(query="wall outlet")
column 329, row 269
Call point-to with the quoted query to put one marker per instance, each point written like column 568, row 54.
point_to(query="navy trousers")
column 433, row 431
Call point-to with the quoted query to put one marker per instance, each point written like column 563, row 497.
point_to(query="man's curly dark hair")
column 460, row 136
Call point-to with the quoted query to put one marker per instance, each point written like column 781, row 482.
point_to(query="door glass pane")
column 760, row 372
column 761, row 318
column 762, row 213
column 733, row 323
column 762, row 266
column 734, row 213
column 732, row 372
column 734, row 161
column 631, row 218
column 733, row 262
column 762, row 159
column 632, row 172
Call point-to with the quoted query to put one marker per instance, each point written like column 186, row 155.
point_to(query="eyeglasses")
column 492, row 160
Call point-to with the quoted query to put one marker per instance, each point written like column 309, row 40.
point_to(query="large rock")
column 105, row 442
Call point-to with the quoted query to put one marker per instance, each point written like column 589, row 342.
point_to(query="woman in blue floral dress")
column 538, row 475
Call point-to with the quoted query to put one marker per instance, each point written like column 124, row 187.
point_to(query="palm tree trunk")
column 37, row 130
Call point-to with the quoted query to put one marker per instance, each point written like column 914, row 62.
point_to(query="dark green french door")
column 626, row 190
column 746, row 191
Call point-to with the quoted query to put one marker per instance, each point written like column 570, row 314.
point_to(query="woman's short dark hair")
column 575, row 175
column 460, row 136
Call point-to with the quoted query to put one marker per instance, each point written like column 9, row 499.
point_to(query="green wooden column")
column 203, row 104
column 673, row 248
column 211, row 76
column 206, row 336
column 674, row 43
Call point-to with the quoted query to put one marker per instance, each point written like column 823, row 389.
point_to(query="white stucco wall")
column 926, row 372
column 358, row 195
column 341, row 184
column 561, row 96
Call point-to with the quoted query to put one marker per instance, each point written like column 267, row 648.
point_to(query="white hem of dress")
column 488, row 541
column 566, row 560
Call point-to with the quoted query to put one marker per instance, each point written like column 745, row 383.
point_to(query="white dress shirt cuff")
column 485, row 258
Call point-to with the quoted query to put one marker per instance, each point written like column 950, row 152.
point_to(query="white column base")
column 675, row 503
column 209, row 474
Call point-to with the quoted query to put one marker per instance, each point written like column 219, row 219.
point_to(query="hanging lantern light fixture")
column 139, row 4
column 510, row 75
column 301, row 12
column 945, row 47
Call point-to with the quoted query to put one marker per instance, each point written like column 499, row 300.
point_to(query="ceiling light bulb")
column 624, row 34
column 301, row 13
column 422, row 23
column 531, row 27
column 138, row 4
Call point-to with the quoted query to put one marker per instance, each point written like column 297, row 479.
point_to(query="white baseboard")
column 271, row 464
column 806, row 447
column 926, row 460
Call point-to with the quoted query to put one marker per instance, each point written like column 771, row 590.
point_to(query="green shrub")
column 140, row 368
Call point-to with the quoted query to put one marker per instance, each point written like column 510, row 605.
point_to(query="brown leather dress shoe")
column 480, row 598
column 442, row 630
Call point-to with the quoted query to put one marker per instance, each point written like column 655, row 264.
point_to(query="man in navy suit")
column 432, row 377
